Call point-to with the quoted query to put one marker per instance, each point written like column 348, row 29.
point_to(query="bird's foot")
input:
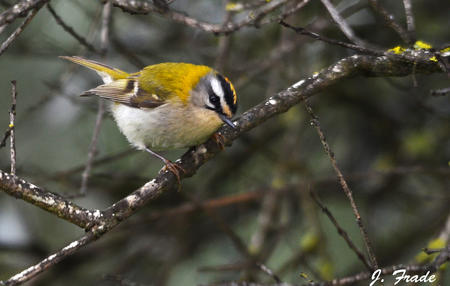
column 219, row 139
column 170, row 166
column 175, row 169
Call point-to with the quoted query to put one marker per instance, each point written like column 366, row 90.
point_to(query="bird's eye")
column 213, row 98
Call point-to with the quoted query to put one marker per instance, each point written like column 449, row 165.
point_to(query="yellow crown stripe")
column 232, row 88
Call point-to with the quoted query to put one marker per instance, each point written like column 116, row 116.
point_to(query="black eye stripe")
column 228, row 93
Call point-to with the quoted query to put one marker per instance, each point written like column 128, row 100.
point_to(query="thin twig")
column 345, row 28
column 389, row 19
column 5, row 137
column 104, row 37
column 253, row 18
column 340, row 230
column 92, row 147
column 19, row 10
column 71, row 31
column 410, row 20
column 316, row 124
column 266, row 220
column 443, row 257
column 100, row 161
column 306, row 32
column 106, row 23
column 216, row 203
column 224, row 45
column 12, row 120
column 18, row 31
column 51, row 260
column 430, row 251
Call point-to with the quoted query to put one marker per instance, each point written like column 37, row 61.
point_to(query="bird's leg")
column 219, row 139
column 173, row 167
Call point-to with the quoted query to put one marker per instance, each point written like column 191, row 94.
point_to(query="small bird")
column 165, row 106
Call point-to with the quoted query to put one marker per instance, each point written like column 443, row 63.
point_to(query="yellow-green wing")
column 154, row 85
column 171, row 80
column 126, row 91
column 119, row 86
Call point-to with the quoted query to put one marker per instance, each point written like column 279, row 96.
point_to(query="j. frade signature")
column 400, row 275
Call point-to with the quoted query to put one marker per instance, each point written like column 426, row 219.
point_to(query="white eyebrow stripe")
column 217, row 87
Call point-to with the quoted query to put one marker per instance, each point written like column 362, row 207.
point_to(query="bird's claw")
column 219, row 139
column 175, row 169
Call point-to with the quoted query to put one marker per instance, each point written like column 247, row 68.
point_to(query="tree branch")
column 48, row 201
column 5, row 45
column 20, row 10
column 253, row 18
column 71, row 31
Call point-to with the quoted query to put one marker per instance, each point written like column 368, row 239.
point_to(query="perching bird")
column 165, row 106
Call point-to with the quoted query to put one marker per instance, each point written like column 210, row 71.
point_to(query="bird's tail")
column 108, row 74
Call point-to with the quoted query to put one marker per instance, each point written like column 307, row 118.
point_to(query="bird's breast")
column 169, row 126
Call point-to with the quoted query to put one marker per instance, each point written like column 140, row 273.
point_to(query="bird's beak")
column 227, row 121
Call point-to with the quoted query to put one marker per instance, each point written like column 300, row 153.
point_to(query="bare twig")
column 340, row 230
column 51, row 260
column 266, row 220
column 389, row 19
column 19, row 10
column 410, row 20
column 253, row 18
column 71, row 31
column 303, row 31
column 345, row 28
column 12, row 120
column 106, row 23
column 224, row 45
column 5, row 137
column 443, row 257
column 100, row 161
column 430, row 251
column 18, row 31
column 209, row 204
column 104, row 37
column 92, row 147
column 316, row 124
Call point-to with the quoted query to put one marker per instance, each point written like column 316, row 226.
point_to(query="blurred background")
column 390, row 137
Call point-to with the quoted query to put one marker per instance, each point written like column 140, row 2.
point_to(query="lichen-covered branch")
column 48, row 201
column 20, row 10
